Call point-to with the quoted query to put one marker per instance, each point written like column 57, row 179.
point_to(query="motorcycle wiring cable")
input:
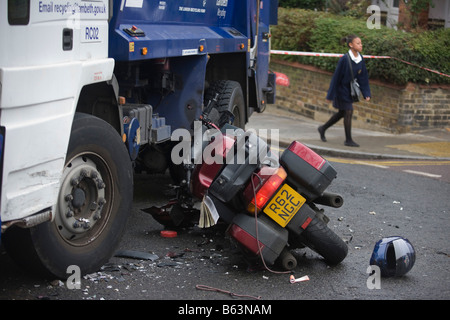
column 232, row 294
column 256, row 230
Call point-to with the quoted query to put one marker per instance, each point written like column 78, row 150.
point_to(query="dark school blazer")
column 340, row 82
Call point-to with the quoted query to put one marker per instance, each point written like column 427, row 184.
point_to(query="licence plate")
column 284, row 205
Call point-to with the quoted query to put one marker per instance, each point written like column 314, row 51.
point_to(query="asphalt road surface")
column 377, row 203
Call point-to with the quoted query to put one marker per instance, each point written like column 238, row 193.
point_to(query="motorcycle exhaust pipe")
column 287, row 260
column 330, row 199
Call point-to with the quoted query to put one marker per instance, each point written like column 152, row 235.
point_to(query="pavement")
column 427, row 145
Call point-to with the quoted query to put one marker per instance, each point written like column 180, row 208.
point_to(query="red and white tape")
column 319, row 54
column 338, row 55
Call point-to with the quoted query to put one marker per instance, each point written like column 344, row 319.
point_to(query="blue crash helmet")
column 395, row 256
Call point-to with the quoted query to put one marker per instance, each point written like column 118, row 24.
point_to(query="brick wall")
column 392, row 108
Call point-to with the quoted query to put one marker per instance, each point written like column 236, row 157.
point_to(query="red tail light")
column 307, row 155
column 267, row 190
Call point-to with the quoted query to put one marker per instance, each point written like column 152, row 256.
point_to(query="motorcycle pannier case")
column 272, row 238
column 308, row 172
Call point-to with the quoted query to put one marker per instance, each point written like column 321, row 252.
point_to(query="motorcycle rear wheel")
column 324, row 241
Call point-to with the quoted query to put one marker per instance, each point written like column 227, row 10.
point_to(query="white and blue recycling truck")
column 92, row 90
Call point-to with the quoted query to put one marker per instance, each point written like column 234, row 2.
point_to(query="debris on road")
column 168, row 234
column 348, row 237
column 136, row 255
column 292, row 279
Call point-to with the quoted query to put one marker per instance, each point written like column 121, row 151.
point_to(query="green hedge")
column 303, row 30
column 304, row 4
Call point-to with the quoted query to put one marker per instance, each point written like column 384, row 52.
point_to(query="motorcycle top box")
column 308, row 172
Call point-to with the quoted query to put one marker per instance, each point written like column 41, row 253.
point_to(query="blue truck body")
column 167, row 53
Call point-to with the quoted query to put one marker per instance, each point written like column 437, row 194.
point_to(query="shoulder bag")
column 354, row 85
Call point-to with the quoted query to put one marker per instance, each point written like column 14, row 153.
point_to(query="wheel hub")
column 81, row 200
column 79, row 196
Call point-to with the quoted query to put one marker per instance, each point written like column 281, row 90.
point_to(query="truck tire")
column 230, row 99
column 94, row 201
column 324, row 241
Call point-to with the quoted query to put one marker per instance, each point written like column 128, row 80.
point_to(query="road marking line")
column 416, row 163
column 395, row 164
column 340, row 160
column 420, row 173
column 372, row 164
column 392, row 163
column 436, row 149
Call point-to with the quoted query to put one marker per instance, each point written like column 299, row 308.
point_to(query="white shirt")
column 355, row 59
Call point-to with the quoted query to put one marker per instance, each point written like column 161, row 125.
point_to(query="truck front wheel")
column 94, row 201
column 230, row 99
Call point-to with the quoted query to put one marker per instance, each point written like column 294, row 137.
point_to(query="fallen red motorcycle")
column 269, row 203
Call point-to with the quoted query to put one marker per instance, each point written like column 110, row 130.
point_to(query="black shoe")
column 322, row 134
column 351, row 143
